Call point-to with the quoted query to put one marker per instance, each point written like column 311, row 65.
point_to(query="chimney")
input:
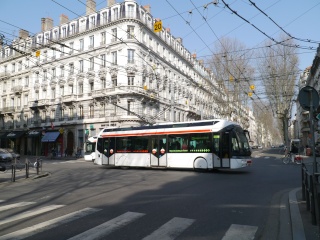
column 147, row 8
column 110, row 3
column 168, row 30
column 23, row 34
column 91, row 7
column 63, row 19
column 46, row 24
column 43, row 20
column 194, row 55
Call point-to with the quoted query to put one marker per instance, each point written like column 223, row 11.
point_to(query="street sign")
column 307, row 96
column 157, row 26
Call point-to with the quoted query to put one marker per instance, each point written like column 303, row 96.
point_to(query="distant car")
column 254, row 147
column 13, row 153
column 260, row 147
column 272, row 146
column 5, row 156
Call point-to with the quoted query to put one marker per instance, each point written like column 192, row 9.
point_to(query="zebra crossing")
column 168, row 231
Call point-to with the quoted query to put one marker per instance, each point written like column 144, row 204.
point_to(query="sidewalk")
column 7, row 177
column 301, row 224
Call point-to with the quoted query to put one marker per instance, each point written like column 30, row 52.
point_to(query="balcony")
column 17, row 89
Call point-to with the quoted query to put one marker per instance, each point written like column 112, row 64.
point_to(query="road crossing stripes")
column 15, row 205
column 108, row 227
column 29, row 213
column 168, row 231
column 27, row 232
column 171, row 229
column 240, row 232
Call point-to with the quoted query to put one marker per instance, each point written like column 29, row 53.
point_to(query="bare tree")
column 231, row 68
column 278, row 68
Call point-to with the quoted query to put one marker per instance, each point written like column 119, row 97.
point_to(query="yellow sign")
column 231, row 78
column 61, row 130
column 38, row 53
column 157, row 26
column 252, row 87
column 145, row 87
column 250, row 94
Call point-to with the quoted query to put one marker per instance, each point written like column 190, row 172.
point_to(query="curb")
column 296, row 221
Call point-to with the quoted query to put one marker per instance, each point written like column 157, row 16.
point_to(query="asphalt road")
column 78, row 196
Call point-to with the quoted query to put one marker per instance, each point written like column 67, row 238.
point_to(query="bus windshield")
column 90, row 147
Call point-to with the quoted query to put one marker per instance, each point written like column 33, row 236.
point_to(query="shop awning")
column 50, row 137
column 15, row 134
column 33, row 133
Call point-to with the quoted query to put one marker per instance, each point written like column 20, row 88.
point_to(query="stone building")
column 107, row 68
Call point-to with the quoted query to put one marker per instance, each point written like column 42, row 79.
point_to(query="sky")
column 200, row 23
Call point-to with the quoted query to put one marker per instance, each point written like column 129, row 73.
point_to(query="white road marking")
column 15, row 205
column 27, row 232
column 240, row 232
column 30, row 213
column 106, row 228
column 171, row 229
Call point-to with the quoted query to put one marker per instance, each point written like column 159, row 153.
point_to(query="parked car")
column 13, row 153
column 5, row 156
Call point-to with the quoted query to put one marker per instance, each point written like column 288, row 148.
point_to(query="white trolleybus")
column 209, row 144
column 90, row 149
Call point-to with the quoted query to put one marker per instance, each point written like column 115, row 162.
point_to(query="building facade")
column 107, row 68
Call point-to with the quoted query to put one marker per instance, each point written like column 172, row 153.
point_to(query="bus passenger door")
column 225, row 150
column 158, row 151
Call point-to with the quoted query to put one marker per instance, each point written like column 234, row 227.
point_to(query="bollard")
column 303, row 176
column 13, row 173
column 37, row 166
column 27, row 168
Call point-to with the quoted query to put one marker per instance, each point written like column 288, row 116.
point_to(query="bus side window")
column 215, row 143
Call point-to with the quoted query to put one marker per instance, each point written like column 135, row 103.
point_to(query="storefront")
column 52, row 141
column 34, row 142
column 3, row 139
column 17, row 141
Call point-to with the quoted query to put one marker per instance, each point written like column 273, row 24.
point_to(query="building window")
column 130, row 32
column 115, row 14
column 91, row 40
column 62, row 91
column 81, row 111
column 81, row 66
column 93, row 21
column 71, row 44
column 130, row 80
column 104, row 83
column 71, row 68
column 130, row 56
column 129, row 107
column 64, row 32
column 91, row 111
column 13, row 69
column 26, row 82
column 81, row 42
column 61, row 113
column 53, row 72
column 114, row 81
column 91, row 85
column 114, row 58
column 80, row 88
column 104, row 17
column 103, row 60
column 114, row 35
column 26, row 100
column 73, row 28
column 91, row 60
column 103, row 38
column 130, row 11
column 53, row 93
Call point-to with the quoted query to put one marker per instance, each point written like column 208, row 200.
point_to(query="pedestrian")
column 66, row 152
